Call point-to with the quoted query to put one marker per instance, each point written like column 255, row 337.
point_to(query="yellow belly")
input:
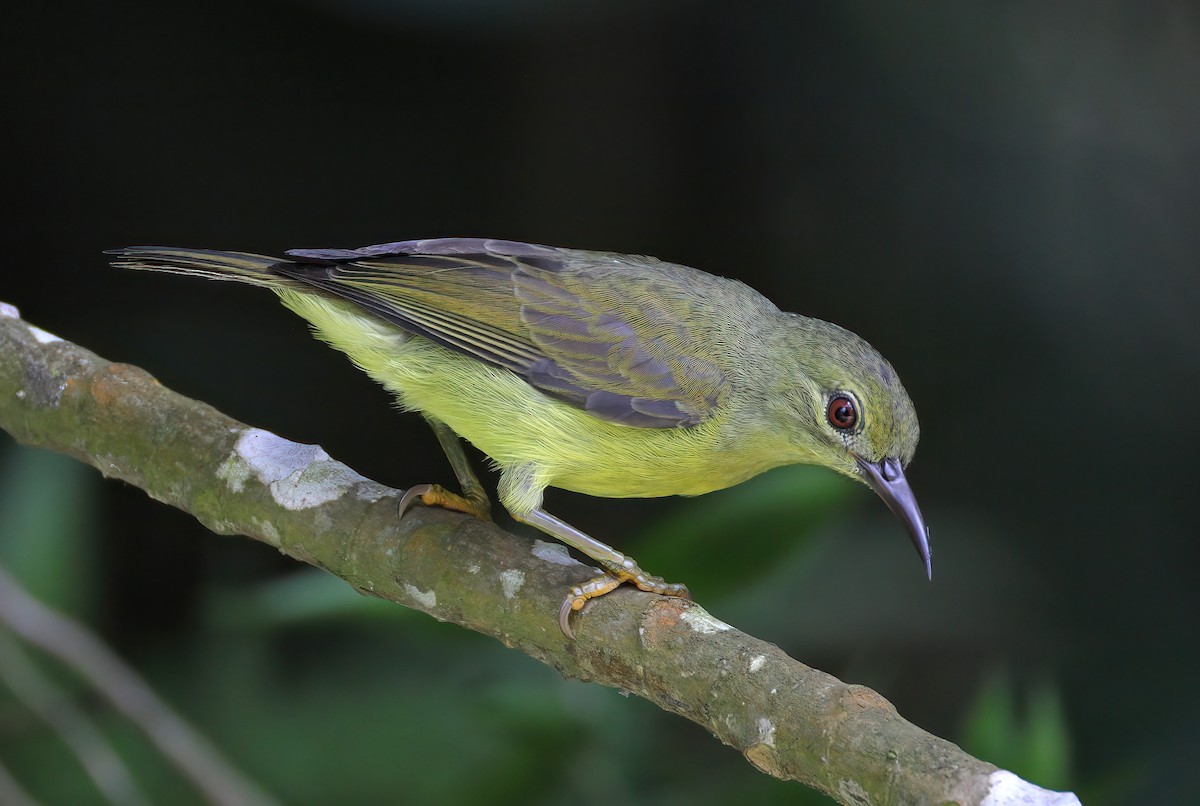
column 515, row 424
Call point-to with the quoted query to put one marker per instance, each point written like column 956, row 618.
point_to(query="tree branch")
column 789, row 720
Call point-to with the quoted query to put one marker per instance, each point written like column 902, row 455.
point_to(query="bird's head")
column 855, row 416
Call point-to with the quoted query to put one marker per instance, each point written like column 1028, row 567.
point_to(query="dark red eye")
column 841, row 413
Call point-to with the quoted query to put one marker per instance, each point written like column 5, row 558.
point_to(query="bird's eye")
column 841, row 413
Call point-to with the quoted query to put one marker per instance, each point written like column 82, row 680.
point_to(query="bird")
column 607, row 374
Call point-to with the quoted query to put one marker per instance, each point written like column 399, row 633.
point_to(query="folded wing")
column 611, row 334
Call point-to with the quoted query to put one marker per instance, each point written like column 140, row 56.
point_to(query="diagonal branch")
column 789, row 720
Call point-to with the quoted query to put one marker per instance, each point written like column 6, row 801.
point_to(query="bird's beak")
column 886, row 477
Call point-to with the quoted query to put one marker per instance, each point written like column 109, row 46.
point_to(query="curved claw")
column 564, row 617
column 434, row 495
column 411, row 495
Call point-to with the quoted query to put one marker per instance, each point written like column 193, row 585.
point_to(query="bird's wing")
column 588, row 328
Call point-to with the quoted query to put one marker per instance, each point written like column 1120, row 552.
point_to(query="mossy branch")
column 789, row 720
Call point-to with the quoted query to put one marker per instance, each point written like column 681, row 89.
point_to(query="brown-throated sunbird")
column 607, row 374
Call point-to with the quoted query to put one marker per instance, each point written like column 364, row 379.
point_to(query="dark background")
column 1003, row 198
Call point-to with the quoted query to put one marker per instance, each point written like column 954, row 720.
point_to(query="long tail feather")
column 215, row 265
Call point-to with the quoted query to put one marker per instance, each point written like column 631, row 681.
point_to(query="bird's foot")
column 617, row 574
column 435, row 495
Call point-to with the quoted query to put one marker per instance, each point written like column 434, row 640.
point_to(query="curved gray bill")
column 887, row 479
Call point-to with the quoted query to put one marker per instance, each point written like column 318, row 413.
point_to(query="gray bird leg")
column 619, row 568
column 473, row 501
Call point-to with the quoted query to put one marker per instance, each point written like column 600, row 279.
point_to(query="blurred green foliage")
column 47, row 519
column 694, row 538
column 1031, row 739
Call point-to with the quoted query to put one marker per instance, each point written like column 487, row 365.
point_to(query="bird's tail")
column 242, row 267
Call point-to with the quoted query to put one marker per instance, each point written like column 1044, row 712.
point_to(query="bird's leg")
column 620, row 568
column 473, row 501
